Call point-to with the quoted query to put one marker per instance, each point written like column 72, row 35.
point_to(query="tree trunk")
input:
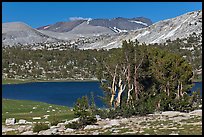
column 129, row 95
column 111, row 100
column 121, row 89
column 168, row 89
column 135, row 83
column 113, row 87
column 135, row 80
column 164, row 89
column 181, row 92
column 130, row 86
column 178, row 91
column 158, row 105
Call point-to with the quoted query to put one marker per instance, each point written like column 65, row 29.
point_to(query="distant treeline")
column 24, row 63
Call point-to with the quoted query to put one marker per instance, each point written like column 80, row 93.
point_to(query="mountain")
column 115, row 24
column 93, row 27
column 18, row 32
column 61, row 26
column 105, row 33
column 81, row 30
column 178, row 27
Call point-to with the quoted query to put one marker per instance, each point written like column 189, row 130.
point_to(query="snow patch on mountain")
column 142, row 34
column 46, row 27
column 117, row 30
column 139, row 22
column 89, row 20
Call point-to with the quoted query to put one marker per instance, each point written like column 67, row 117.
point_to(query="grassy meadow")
column 22, row 109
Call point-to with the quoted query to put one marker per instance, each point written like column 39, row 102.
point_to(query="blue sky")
column 38, row 14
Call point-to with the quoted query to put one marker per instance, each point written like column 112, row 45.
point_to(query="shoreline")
column 18, row 81
column 21, row 81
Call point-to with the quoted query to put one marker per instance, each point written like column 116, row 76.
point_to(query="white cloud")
column 78, row 18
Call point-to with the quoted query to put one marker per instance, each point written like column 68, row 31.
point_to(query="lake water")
column 59, row 93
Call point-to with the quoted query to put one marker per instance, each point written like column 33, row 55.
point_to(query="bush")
column 39, row 127
column 88, row 120
column 74, row 125
column 103, row 113
column 184, row 104
column 84, row 111
column 54, row 121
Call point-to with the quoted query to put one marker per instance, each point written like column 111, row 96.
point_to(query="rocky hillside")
column 165, row 123
column 178, row 27
column 18, row 32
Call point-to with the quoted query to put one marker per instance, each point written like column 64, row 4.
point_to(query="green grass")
column 160, row 122
column 20, row 109
column 193, row 120
column 12, row 133
column 123, row 130
column 106, row 133
column 191, row 130
column 181, row 129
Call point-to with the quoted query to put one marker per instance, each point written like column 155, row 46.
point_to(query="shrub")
column 88, row 120
column 39, row 127
column 74, row 125
column 103, row 113
column 81, row 107
column 54, row 121
column 84, row 111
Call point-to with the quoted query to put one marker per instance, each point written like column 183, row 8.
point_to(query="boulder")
column 53, row 127
column 129, row 132
column 124, row 120
column 69, row 130
column 46, row 132
column 95, row 133
column 107, row 126
column 174, row 133
column 54, row 131
column 22, row 128
column 107, row 119
column 46, row 116
column 27, row 133
column 5, row 129
column 61, row 124
column 61, row 129
column 171, row 113
column 10, row 121
column 36, row 118
column 29, row 122
column 114, row 122
column 22, row 121
column 98, row 117
column 91, row 127
column 47, row 122
column 73, row 120
column 196, row 112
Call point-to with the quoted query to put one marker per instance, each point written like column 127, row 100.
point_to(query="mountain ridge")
column 98, row 37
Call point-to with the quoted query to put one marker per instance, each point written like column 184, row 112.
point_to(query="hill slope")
column 18, row 32
column 178, row 27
